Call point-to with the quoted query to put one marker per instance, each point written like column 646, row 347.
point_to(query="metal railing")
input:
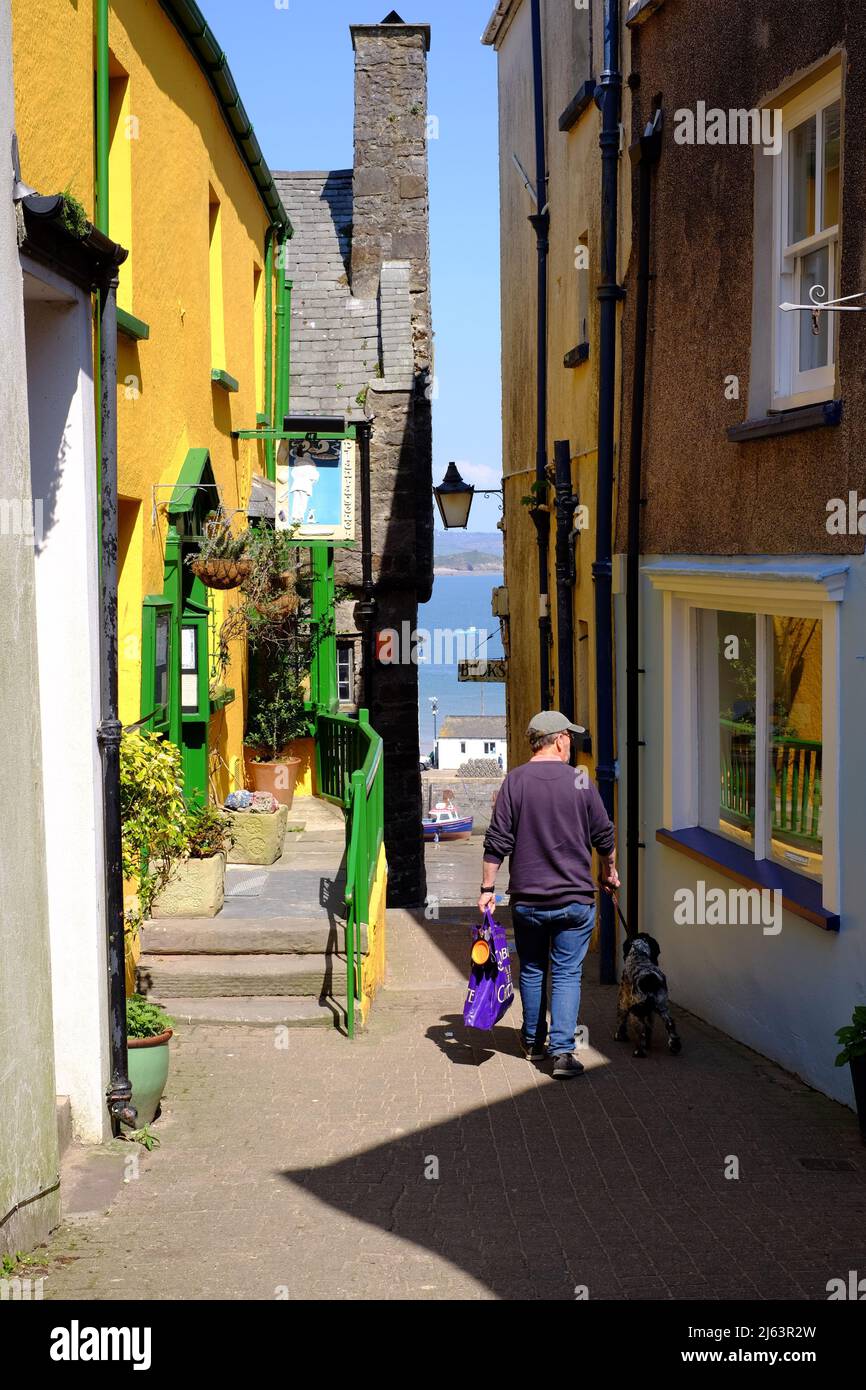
column 796, row 782
column 350, row 772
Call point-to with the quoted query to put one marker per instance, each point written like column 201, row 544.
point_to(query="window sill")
column 800, row 896
column 576, row 107
column 806, row 417
column 641, row 10
column 223, row 380
column 131, row 327
column 577, row 356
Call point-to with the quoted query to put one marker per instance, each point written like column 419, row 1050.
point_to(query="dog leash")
column 626, row 928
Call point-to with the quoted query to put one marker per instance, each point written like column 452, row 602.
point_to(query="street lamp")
column 454, row 499
column 434, row 706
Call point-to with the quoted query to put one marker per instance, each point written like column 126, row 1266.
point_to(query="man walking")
column 548, row 819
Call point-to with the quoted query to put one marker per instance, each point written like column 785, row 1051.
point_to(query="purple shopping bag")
column 491, row 992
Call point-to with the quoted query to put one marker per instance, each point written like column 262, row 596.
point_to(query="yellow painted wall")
column 574, row 193
column 178, row 150
column 373, row 969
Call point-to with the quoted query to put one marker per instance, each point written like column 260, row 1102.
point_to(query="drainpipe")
column 270, row 448
column 609, row 99
column 565, row 505
column 367, row 607
column 645, row 155
column 109, row 732
column 100, row 201
column 110, row 729
column 541, row 223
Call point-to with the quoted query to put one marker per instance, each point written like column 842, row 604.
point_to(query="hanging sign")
column 316, row 489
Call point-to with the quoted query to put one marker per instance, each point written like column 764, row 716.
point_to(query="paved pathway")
column 414, row 1166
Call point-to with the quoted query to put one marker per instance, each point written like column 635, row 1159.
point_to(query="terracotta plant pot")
column 279, row 778
column 148, row 1072
column 221, row 574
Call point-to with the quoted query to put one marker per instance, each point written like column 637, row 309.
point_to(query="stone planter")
column 196, row 889
column 277, row 778
column 148, row 1072
column 258, row 838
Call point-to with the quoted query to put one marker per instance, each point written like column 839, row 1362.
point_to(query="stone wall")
column 473, row 796
column 390, row 260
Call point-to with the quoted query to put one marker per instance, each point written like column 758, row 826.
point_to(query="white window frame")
column 796, row 589
column 791, row 387
column 346, row 649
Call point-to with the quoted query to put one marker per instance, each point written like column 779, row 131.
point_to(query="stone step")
column 231, row 977
column 254, row 936
column 273, row 1012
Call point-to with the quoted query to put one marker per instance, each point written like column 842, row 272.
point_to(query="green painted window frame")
column 155, row 716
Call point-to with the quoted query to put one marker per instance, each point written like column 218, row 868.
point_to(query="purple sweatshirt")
column 549, row 826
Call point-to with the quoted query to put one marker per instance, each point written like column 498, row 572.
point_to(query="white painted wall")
column 451, row 757
column 64, row 477
column 783, row 995
column 29, row 1200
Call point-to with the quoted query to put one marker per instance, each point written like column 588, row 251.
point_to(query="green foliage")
column 852, row 1039
column 537, row 495
column 276, row 713
column 145, row 1020
column 145, row 1138
column 153, row 813
column 73, row 217
column 207, row 832
column 219, row 541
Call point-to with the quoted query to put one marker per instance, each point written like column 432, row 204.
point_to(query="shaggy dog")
column 643, row 992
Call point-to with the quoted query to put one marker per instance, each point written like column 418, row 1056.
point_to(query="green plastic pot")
column 148, row 1072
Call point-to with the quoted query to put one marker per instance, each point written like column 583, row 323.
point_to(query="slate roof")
column 335, row 337
column 463, row 726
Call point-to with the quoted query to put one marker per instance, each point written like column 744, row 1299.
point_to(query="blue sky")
column 303, row 47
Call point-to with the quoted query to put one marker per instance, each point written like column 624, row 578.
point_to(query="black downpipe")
column 367, row 606
column 109, row 733
column 645, row 155
column 609, row 98
column 565, row 504
column 541, row 222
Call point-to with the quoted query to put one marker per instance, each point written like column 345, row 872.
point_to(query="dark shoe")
column 533, row 1052
column 566, row 1065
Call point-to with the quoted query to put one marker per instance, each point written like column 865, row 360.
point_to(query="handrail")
column 349, row 757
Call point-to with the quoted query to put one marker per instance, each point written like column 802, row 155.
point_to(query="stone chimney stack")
column 391, row 191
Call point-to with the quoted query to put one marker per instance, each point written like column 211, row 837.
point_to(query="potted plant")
column 148, row 1030
column 195, row 886
column 153, row 819
column 852, row 1040
column 221, row 561
column 258, row 825
column 273, row 619
column 276, row 716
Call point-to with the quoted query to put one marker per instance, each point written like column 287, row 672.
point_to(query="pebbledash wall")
column 747, row 520
column 29, row 1175
column 173, row 162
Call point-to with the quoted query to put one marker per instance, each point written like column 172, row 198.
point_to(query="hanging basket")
column 221, row 574
column 285, row 606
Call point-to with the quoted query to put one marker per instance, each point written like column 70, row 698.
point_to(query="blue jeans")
column 552, row 942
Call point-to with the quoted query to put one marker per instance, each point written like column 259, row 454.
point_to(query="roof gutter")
column 497, row 21
column 193, row 28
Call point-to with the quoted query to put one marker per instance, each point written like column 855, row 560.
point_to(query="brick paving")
column 414, row 1165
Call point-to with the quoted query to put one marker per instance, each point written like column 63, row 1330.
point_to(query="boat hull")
column 456, row 830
